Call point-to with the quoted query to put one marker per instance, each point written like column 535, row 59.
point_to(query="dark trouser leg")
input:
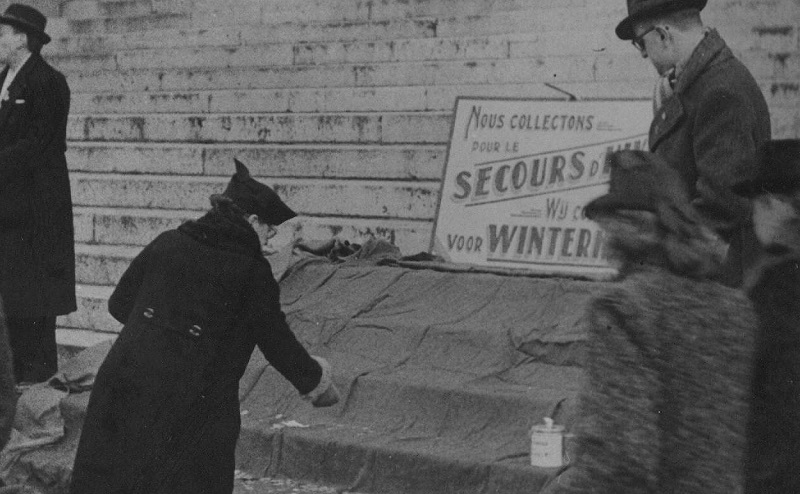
column 33, row 344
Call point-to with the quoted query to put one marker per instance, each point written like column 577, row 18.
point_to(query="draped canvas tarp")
column 442, row 372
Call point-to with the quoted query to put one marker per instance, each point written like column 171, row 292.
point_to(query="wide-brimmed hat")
column 27, row 19
column 253, row 197
column 642, row 181
column 778, row 169
column 644, row 9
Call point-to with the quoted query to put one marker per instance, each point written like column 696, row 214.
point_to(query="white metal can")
column 547, row 444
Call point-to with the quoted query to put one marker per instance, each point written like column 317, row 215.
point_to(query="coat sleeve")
column 724, row 147
column 274, row 337
column 122, row 300
column 49, row 106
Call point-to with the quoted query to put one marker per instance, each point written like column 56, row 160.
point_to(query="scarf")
column 225, row 231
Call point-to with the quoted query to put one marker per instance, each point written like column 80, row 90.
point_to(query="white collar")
column 12, row 72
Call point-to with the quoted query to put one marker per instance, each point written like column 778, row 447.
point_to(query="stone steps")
column 493, row 22
column 344, row 128
column 451, row 18
column 91, row 16
column 91, row 323
column 391, row 162
column 105, row 226
column 241, row 35
column 431, row 459
column 494, row 47
column 340, row 49
column 356, row 198
column 311, row 10
column 779, row 93
column 318, row 100
column 600, row 68
column 743, row 32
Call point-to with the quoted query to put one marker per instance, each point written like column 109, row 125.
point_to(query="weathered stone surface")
column 126, row 157
column 785, row 123
column 782, row 93
column 102, row 264
column 343, row 105
column 361, row 198
column 598, row 67
column 314, row 100
column 429, row 127
column 404, row 162
column 92, row 313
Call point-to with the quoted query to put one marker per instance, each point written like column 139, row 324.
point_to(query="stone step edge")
column 223, row 179
column 180, row 213
column 425, row 49
column 348, row 444
column 618, row 56
column 393, row 74
column 86, row 145
column 72, row 341
column 62, row 34
column 426, row 46
column 264, row 160
column 776, row 89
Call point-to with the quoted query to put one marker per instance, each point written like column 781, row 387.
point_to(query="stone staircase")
column 344, row 106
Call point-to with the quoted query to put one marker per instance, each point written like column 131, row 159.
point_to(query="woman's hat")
column 642, row 181
column 253, row 197
column 27, row 19
column 778, row 169
column 644, row 9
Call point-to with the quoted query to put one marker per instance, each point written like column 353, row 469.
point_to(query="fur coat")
column 666, row 398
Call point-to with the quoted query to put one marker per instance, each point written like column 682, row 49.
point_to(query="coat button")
column 196, row 331
column 149, row 313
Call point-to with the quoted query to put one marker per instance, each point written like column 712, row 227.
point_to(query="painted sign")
column 518, row 174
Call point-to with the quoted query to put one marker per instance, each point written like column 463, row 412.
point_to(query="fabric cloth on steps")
column 38, row 423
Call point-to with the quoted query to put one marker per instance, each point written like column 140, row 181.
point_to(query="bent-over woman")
column 164, row 415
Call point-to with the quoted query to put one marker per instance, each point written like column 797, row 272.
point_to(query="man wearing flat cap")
column 709, row 115
column 37, row 260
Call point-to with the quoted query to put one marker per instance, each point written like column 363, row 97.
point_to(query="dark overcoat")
column 666, row 400
column 773, row 460
column 163, row 416
column 709, row 130
column 37, row 252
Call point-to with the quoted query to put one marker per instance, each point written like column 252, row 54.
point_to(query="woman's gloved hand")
column 329, row 398
column 325, row 394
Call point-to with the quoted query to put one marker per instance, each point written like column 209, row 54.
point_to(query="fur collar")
column 224, row 232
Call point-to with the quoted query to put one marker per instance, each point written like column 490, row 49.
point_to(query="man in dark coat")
column 8, row 394
column 773, row 459
column 37, row 254
column 709, row 115
column 163, row 416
